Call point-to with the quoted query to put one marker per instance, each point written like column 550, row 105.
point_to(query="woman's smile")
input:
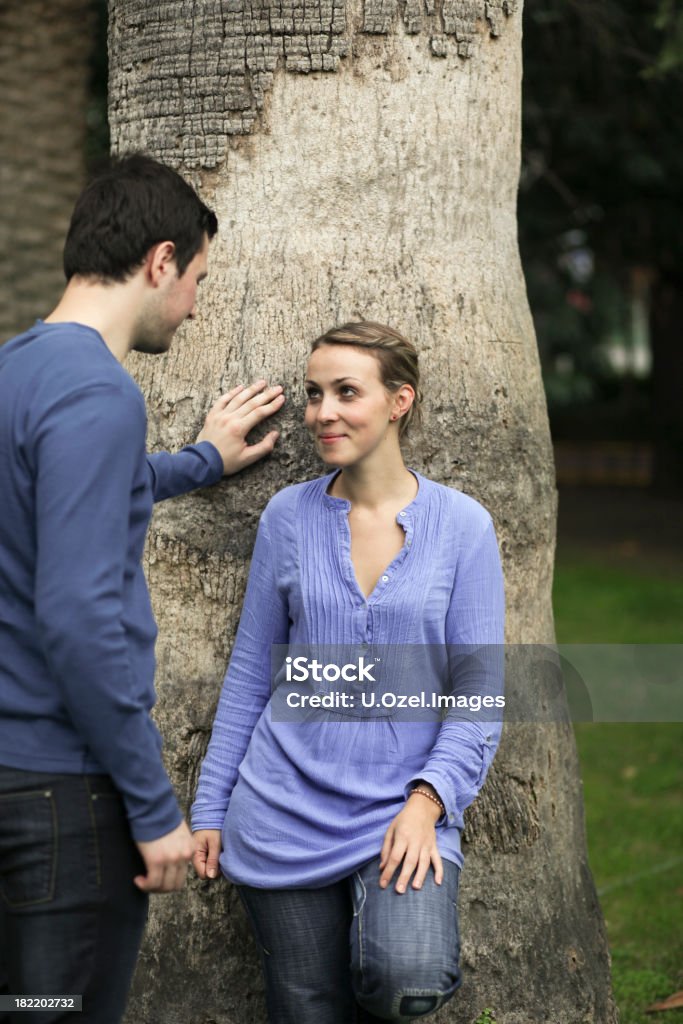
column 331, row 438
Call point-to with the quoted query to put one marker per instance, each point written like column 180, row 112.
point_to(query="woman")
column 343, row 834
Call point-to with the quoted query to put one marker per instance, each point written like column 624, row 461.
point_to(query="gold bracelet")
column 430, row 796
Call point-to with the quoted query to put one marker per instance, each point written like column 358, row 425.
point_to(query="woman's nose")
column 327, row 409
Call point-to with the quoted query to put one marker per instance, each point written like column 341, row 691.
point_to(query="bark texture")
column 380, row 184
column 45, row 47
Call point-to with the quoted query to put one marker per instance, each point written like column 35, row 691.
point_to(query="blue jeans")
column 71, row 920
column 352, row 953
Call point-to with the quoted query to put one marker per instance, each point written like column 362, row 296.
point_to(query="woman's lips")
column 330, row 438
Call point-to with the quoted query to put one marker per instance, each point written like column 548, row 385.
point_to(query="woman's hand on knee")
column 207, row 850
column 410, row 841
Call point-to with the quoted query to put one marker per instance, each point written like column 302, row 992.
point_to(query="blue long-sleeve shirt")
column 304, row 803
column 76, row 626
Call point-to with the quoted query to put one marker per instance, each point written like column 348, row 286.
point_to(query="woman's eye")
column 348, row 392
column 312, row 394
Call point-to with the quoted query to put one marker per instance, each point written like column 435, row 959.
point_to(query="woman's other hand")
column 411, row 839
column 207, row 850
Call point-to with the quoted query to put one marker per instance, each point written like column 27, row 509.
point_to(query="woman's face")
column 349, row 409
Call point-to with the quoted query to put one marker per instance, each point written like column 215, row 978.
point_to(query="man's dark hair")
column 131, row 206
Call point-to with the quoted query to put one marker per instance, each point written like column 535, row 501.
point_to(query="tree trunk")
column 45, row 46
column 363, row 163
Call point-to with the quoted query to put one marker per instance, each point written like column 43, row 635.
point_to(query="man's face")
column 172, row 302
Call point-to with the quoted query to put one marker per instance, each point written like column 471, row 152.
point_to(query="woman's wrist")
column 427, row 794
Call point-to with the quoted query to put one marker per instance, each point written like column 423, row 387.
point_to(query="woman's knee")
column 404, row 948
column 399, row 995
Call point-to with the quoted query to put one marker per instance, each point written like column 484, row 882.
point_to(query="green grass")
column 599, row 604
column 633, row 781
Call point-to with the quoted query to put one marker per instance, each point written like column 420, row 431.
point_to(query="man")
column 89, row 823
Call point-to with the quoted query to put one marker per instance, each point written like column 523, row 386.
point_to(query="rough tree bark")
column 363, row 161
column 45, row 46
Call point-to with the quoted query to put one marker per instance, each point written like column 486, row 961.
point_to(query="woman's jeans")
column 352, row 953
column 71, row 919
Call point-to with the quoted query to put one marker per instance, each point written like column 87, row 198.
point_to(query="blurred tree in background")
column 98, row 141
column 601, row 199
column 46, row 49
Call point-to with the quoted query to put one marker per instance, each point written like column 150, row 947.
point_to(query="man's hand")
column 232, row 417
column 166, row 860
column 411, row 839
column 207, row 850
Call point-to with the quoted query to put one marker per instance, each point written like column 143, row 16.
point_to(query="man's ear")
column 160, row 263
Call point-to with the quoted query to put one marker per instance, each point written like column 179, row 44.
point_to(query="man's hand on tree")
column 232, row 417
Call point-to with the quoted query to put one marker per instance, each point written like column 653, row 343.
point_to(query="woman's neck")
column 371, row 487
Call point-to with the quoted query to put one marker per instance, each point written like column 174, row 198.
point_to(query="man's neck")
column 107, row 308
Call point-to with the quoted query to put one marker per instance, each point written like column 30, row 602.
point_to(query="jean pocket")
column 28, row 848
column 111, row 837
column 358, row 893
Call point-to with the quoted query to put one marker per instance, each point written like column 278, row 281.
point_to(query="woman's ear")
column 403, row 399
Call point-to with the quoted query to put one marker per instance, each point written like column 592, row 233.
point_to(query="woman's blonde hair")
column 396, row 355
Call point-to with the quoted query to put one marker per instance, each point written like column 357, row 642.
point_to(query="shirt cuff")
column 207, row 817
column 167, row 818
column 213, row 458
column 432, row 779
